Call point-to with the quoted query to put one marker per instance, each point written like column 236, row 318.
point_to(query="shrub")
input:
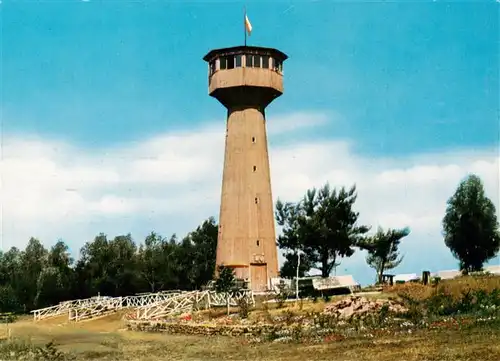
column 323, row 320
column 8, row 317
column 297, row 332
column 435, row 281
column 271, row 335
column 243, row 307
column 265, row 311
column 414, row 291
column 289, row 317
column 23, row 351
column 282, row 295
column 450, row 300
column 457, row 286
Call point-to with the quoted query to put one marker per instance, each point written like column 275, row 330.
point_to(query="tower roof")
column 245, row 49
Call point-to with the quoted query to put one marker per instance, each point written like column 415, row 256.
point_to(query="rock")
column 283, row 339
column 356, row 305
column 205, row 329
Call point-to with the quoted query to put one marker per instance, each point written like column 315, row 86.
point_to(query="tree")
column 8, row 299
column 383, row 252
column 289, row 267
column 204, row 241
column 470, row 225
column 225, row 282
column 150, row 257
column 11, row 271
column 37, row 277
column 122, row 270
column 184, row 264
column 93, row 268
column 323, row 225
column 59, row 258
column 50, row 287
column 33, row 261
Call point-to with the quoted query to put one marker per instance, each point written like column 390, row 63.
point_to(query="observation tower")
column 245, row 80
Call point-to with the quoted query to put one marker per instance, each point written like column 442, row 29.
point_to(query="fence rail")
column 99, row 307
column 146, row 306
column 189, row 301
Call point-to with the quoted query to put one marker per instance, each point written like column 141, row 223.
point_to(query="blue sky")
column 392, row 86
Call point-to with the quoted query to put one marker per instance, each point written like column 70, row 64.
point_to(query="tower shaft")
column 246, row 80
column 246, row 239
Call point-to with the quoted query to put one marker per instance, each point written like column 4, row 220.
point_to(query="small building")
column 405, row 277
column 446, row 275
column 326, row 286
column 493, row 269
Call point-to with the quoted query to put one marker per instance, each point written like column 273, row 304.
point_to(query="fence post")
column 425, row 277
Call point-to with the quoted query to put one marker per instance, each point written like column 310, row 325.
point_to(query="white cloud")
column 296, row 121
column 170, row 183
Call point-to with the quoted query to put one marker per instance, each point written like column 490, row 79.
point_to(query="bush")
column 288, row 317
column 322, row 320
column 282, row 295
column 444, row 303
column 414, row 291
column 457, row 286
column 22, row 351
column 8, row 317
column 243, row 307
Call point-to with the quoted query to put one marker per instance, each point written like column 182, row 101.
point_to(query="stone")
column 356, row 305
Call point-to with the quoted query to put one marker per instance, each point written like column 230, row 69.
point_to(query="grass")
column 103, row 340
column 106, row 339
column 454, row 287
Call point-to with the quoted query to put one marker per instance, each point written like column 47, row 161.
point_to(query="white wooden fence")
column 147, row 306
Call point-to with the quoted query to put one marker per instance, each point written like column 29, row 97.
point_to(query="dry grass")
column 454, row 287
column 261, row 309
column 106, row 339
column 416, row 291
column 103, row 340
column 463, row 284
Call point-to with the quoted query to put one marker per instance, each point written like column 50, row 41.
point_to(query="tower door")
column 258, row 274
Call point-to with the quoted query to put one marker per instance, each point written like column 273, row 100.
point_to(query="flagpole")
column 244, row 23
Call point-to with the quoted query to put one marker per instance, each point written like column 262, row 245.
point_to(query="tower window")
column 230, row 62
column 212, row 67
column 257, row 243
column 237, row 60
column 249, row 61
column 254, row 168
column 256, row 200
column 223, row 62
column 253, row 61
column 278, row 66
column 253, row 139
column 265, row 62
column 256, row 61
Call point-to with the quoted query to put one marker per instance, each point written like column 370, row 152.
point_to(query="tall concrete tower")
column 246, row 79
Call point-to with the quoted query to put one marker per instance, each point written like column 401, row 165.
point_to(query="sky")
column 107, row 125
